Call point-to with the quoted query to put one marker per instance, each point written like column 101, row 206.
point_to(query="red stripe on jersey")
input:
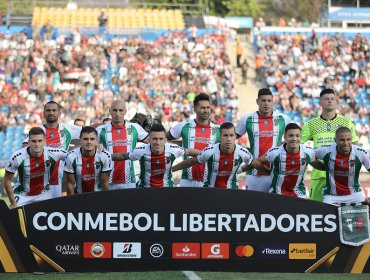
column 202, row 136
column 225, row 167
column 52, row 137
column 158, row 169
column 119, row 133
column 292, row 167
column 265, row 141
column 54, row 177
column 37, row 173
column 87, row 174
column 341, row 171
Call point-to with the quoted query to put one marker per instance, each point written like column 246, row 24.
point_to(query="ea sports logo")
column 156, row 250
column 97, row 250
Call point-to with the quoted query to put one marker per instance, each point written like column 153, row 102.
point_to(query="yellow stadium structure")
column 117, row 17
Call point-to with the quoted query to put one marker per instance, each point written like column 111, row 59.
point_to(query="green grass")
column 179, row 275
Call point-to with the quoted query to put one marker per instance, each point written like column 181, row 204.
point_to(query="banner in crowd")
column 176, row 229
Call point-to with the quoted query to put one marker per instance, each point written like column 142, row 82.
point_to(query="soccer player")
column 343, row 162
column 156, row 158
column 57, row 136
column 197, row 134
column 86, row 166
column 223, row 160
column 322, row 131
column 265, row 129
column 288, row 164
column 34, row 164
column 121, row 136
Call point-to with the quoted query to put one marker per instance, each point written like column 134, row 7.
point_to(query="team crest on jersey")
column 203, row 130
column 352, row 163
column 226, row 162
column 48, row 163
column 276, row 122
column 341, row 163
column 119, row 131
column 157, row 162
column 97, row 164
column 303, row 161
column 293, row 161
column 328, row 127
column 52, row 136
column 88, row 165
column 265, row 122
column 37, row 164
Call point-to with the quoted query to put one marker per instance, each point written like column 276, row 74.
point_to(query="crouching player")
column 87, row 167
column 35, row 164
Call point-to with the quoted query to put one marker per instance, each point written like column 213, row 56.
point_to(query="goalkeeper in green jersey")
column 321, row 131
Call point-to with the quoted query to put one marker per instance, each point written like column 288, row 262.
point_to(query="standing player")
column 121, row 136
column 34, row 164
column 223, row 160
column 86, row 166
column 196, row 134
column 343, row 162
column 57, row 136
column 156, row 158
column 322, row 131
column 265, row 130
column 288, row 164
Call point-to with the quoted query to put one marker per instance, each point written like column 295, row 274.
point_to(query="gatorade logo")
column 244, row 251
column 302, row 251
column 215, row 251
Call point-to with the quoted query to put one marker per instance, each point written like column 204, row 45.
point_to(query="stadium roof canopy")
column 349, row 3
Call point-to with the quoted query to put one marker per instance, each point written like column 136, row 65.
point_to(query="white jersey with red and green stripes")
column 87, row 170
column 121, row 139
column 156, row 170
column 61, row 136
column 287, row 170
column 342, row 171
column 263, row 133
column 196, row 136
column 33, row 172
column 222, row 168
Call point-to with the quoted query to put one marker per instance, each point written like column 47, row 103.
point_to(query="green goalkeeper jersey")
column 322, row 132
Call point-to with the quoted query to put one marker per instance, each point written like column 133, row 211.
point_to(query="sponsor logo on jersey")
column 185, row 250
column 245, row 251
column 273, row 251
column 99, row 250
column 215, row 251
column 302, row 251
column 67, row 250
column 156, row 250
column 126, row 250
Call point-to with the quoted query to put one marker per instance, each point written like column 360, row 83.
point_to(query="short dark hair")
column 78, row 120
column 157, row 127
column 106, row 120
column 139, row 118
column 53, row 102
column 292, row 126
column 88, row 129
column 201, row 97
column 327, row 91
column 341, row 130
column 36, row 131
column 264, row 91
column 227, row 125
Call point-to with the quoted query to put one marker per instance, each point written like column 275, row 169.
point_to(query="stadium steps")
column 194, row 20
column 20, row 20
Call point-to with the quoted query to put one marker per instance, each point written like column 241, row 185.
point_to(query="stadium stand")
column 297, row 66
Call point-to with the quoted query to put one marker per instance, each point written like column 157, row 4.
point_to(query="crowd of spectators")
column 297, row 66
column 84, row 74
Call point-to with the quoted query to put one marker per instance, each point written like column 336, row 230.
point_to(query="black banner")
column 176, row 229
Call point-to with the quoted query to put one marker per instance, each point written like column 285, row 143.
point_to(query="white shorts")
column 190, row 183
column 122, row 186
column 23, row 199
column 258, row 183
column 338, row 199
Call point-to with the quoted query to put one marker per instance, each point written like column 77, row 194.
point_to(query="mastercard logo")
column 244, row 251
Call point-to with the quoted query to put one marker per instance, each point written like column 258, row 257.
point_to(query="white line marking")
column 191, row 275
